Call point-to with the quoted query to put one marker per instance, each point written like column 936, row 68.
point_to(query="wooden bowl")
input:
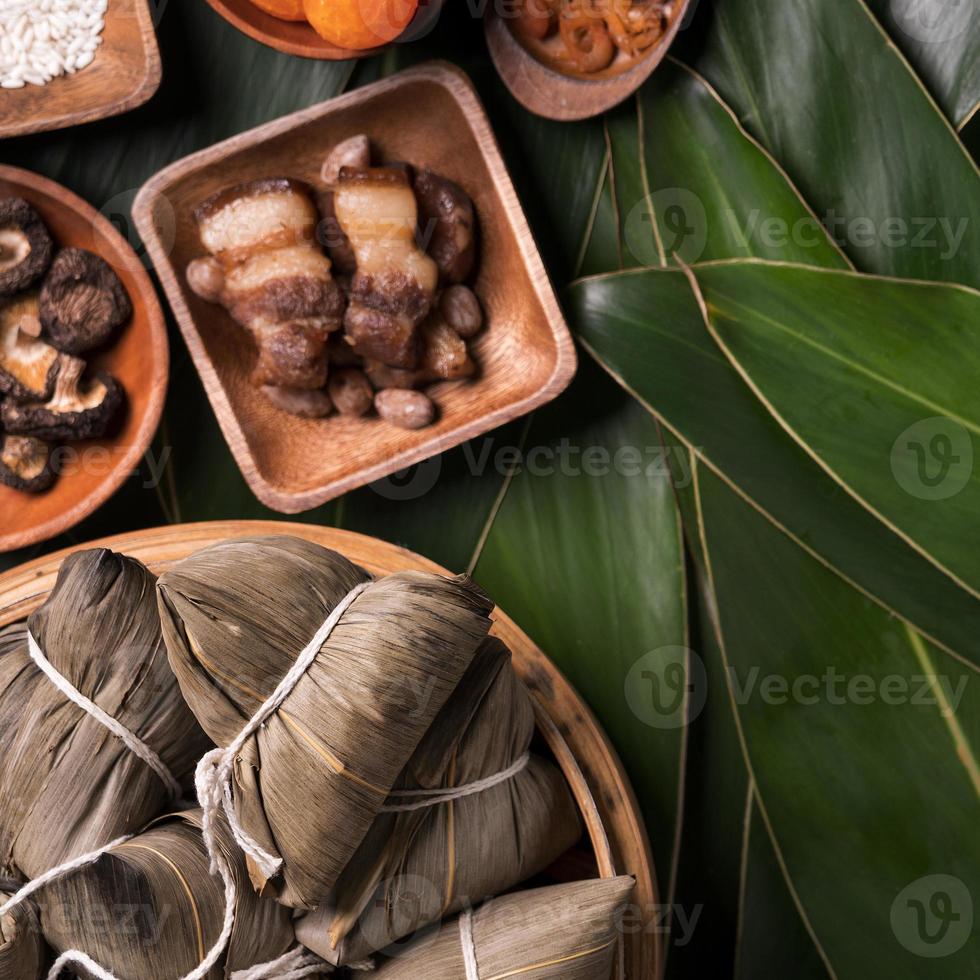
column 299, row 38
column 427, row 115
column 601, row 788
column 138, row 357
column 555, row 95
column 125, row 74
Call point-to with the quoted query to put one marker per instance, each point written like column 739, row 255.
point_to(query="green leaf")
column 848, row 718
column 825, row 91
column 671, row 363
column 691, row 181
column 716, row 785
column 772, row 940
column 942, row 42
column 887, row 405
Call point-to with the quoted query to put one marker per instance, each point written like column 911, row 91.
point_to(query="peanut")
column 206, row 278
column 353, row 152
column 350, row 391
column 462, row 311
column 405, row 408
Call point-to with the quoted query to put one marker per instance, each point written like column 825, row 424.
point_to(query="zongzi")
column 238, row 619
column 68, row 784
column 563, row 932
column 461, row 850
column 22, row 951
column 151, row 909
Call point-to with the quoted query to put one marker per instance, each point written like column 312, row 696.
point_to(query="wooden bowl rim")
column 158, row 344
column 145, row 90
column 24, row 588
column 547, row 92
column 461, row 88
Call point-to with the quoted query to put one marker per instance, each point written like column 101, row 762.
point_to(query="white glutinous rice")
column 41, row 39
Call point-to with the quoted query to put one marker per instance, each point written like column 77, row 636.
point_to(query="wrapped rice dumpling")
column 151, row 909
column 22, row 951
column 309, row 782
column 460, row 851
column 67, row 784
column 564, row 932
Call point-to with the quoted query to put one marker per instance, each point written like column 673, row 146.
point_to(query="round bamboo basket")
column 615, row 828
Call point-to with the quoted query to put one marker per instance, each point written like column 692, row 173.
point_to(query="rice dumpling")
column 68, row 785
column 22, row 952
column 563, row 932
column 150, row 909
column 309, row 782
column 460, row 851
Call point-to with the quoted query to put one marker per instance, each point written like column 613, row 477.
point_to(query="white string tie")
column 299, row 962
column 132, row 742
column 214, row 771
column 469, row 946
column 433, row 797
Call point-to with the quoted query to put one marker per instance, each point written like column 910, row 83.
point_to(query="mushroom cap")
column 82, row 301
column 28, row 365
column 25, row 463
column 25, row 246
column 78, row 409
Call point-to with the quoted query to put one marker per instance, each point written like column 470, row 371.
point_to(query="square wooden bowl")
column 429, row 115
column 125, row 73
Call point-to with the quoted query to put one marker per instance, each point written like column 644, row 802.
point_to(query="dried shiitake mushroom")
column 25, row 246
column 78, row 408
column 82, row 301
column 28, row 366
column 25, row 464
column 448, row 225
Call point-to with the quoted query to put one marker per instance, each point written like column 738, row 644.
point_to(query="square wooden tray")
column 429, row 115
column 125, row 73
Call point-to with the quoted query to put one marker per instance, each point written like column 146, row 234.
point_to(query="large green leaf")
column 861, row 738
column 670, row 361
column 886, row 404
column 716, row 785
column 826, row 92
column 772, row 940
column 942, row 41
column 689, row 181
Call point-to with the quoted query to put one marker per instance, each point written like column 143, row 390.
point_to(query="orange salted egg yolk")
column 283, row 9
column 360, row 24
